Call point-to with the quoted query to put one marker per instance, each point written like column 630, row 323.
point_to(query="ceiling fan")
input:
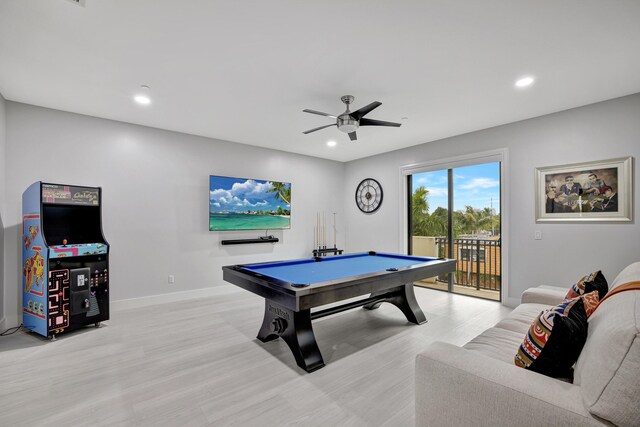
column 349, row 121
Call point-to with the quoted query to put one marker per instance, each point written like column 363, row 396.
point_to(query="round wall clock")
column 369, row 195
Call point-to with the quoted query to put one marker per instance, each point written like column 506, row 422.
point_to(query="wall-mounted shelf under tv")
column 268, row 239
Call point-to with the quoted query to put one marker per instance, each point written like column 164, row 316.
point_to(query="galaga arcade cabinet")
column 65, row 259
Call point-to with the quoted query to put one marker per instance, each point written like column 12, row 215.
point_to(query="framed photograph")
column 591, row 191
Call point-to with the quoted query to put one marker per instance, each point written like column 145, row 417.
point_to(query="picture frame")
column 599, row 191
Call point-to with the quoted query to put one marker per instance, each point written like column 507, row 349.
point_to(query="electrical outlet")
column 172, row 279
column 537, row 235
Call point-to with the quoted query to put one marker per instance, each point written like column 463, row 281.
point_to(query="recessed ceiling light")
column 142, row 97
column 525, row 81
column 331, row 143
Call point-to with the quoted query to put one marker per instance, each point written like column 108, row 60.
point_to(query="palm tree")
column 438, row 221
column 474, row 220
column 489, row 220
column 419, row 202
column 459, row 224
column 282, row 191
column 471, row 219
column 423, row 223
column 419, row 211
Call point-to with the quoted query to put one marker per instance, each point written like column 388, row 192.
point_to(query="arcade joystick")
column 64, row 242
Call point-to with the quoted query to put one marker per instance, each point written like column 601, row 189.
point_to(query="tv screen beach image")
column 248, row 204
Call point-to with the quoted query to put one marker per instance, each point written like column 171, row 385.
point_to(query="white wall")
column 3, row 146
column 567, row 251
column 155, row 186
column 155, row 197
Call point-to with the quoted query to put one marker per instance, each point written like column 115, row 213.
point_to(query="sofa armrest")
column 459, row 387
column 547, row 295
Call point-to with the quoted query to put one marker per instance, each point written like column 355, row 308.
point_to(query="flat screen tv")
column 248, row 204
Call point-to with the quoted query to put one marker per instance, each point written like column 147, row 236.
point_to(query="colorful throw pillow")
column 590, row 302
column 556, row 337
column 589, row 283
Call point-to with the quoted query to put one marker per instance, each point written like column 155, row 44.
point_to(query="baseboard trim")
column 130, row 303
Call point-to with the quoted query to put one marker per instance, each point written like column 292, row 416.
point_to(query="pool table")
column 292, row 288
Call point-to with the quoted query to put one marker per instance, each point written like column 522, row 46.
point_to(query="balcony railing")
column 478, row 263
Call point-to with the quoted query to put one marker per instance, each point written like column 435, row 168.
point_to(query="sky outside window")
column 477, row 186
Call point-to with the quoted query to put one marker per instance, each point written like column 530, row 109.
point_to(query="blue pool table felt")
column 336, row 267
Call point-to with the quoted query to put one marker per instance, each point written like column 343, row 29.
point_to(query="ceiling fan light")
column 348, row 128
column 347, row 124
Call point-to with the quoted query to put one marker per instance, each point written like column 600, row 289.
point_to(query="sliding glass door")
column 455, row 213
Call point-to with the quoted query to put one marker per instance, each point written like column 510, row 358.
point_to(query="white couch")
column 479, row 384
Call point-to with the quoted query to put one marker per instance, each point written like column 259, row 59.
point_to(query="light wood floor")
column 198, row 363
column 463, row 290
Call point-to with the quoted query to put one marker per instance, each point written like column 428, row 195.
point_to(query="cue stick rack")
column 320, row 237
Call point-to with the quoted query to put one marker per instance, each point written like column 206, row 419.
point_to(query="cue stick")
column 334, row 230
column 324, row 229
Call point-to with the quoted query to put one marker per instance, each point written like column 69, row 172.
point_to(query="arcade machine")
column 65, row 259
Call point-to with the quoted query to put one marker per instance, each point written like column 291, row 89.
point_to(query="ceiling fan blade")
column 321, row 127
column 320, row 113
column 353, row 136
column 358, row 114
column 371, row 122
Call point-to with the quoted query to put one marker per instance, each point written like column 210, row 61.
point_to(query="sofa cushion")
column 548, row 295
column 497, row 343
column 554, row 340
column 519, row 320
column 591, row 282
column 456, row 387
column 607, row 370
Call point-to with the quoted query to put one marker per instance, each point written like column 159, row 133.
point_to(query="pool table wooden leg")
column 404, row 298
column 295, row 329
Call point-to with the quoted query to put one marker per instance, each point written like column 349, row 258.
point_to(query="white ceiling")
column 243, row 71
